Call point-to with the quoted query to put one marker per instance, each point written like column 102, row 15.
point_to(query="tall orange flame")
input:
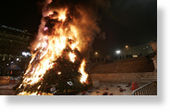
column 48, row 48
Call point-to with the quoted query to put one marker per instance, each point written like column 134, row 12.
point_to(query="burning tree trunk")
column 58, row 52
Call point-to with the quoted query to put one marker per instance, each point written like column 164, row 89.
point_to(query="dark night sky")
column 130, row 22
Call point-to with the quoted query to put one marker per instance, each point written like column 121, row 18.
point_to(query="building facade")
column 13, row 42
column 135, row 51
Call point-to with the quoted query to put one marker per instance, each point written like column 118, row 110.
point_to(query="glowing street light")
column 26, row 54
column 17, row 59
column 96, row 53
column 118, row 52
column 126, row 46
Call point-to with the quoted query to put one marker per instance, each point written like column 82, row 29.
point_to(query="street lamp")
column 126, row 46
column 96, row 53
column 118, row 52
column 17, row 59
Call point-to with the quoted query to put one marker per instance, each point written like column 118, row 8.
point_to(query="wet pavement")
column 110, row 89
column 101, row 89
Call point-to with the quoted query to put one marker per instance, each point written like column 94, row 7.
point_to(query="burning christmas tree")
column 59, row 52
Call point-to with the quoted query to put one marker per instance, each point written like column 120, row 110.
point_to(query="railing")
column 148, row 89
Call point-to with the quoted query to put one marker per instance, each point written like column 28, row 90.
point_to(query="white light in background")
column 26, row 54
column 17, row 59
column 118, row 52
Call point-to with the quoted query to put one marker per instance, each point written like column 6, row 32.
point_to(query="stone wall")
column 124, row 77
column 134, row 65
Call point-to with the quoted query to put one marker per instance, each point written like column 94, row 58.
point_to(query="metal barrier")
column 148, row 89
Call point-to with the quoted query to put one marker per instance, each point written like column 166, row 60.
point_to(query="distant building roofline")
column 15, row 29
